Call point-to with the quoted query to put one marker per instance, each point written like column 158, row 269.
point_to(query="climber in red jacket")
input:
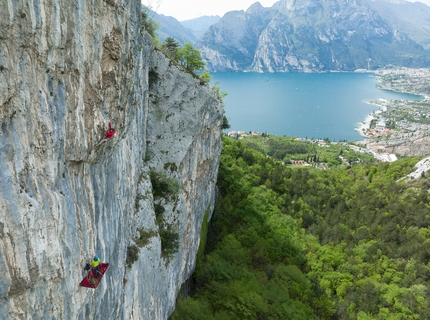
column 109, row 134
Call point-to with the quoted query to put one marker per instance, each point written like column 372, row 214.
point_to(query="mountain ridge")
column 413, row 18
column 199, row 25
column 171, row 27
column 308, row 36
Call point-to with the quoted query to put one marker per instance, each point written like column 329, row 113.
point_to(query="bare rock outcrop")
column 421, row 169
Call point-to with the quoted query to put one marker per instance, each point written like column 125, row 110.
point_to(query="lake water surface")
column 312, row 105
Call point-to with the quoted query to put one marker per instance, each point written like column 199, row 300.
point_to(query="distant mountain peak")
column 254, row 8
column 170, row 27
column 199, row 25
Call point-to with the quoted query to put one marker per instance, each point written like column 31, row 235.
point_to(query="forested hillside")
column 287, row 149
column 301, row 243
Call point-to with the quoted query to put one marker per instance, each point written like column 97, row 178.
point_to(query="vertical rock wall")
column 67, row 68
column 184, row 143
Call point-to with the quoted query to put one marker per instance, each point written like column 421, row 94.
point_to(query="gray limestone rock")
column 67, row 68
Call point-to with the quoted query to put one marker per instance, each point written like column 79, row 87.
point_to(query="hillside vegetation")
column 286, row 149
column 291, row 242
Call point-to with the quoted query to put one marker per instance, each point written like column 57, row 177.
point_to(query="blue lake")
column 312, row 105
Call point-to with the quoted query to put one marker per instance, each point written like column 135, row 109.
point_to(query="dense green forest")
column 287, row 242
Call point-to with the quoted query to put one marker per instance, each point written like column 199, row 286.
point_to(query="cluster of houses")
column 398, row 107
column 404, row 71
column 299, row 162
column 242, row 134
column 320, row 142
column 379, row 129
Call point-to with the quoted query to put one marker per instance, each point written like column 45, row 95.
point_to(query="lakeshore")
column 364, row 126
column 400, row 127
column 312, row 105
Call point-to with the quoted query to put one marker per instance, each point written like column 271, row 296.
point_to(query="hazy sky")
column 189, row 9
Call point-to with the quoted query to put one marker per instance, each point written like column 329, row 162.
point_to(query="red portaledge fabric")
column 91, row 275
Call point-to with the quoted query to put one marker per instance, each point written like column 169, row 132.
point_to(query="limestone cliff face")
column 230, row 44
column 67, row 68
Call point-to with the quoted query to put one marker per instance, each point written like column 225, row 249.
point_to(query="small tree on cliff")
column 191, row 58
column 149, row 24
column 225, row 124
column 205, row 77
column 170, row 47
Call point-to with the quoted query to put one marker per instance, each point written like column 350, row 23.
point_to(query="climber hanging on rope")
column 96, row 269
column 95, row 264
column 108, row 135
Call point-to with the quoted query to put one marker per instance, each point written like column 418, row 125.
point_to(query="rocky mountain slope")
column 308, row 36
column 412, row 18
column 170, row 27
column 66, row 69
column 230, row 45
column 200, row 25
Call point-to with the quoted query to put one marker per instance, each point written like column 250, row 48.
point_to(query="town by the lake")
column 396, row 128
